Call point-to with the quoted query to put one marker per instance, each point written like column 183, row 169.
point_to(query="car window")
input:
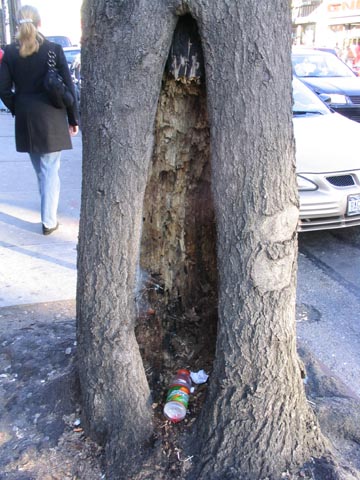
column 70, row 55
column 305, row 101
column 327, row 65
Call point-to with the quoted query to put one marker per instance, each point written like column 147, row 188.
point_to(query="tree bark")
column 121, row 88
column 256, row 371
column 256, row 422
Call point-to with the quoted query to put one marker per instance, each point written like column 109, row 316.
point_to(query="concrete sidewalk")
column 35, row 268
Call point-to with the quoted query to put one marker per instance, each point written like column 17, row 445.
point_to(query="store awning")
column 343, row 20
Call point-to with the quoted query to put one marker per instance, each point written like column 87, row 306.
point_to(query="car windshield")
column 61, row 40
column 306, row 102
column 318, row 65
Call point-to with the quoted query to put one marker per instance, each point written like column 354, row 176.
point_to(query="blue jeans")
column 46, row 166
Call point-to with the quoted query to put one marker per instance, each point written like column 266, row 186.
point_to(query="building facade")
column 8, row 10
column 327, row 23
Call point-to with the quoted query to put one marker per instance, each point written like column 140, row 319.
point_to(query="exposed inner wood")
column 177, row 294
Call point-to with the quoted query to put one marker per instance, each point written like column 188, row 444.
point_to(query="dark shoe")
column 47, row 231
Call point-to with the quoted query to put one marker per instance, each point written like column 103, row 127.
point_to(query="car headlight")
column 339, row 99
column 304, row 184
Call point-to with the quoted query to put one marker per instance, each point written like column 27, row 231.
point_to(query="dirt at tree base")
column 41, row 437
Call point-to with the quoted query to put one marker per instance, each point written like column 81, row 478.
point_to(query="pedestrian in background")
column 2, row 106
column 41, row 129
column 357, row 55
column 349, row 56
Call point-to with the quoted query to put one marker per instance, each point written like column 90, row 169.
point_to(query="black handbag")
column 59, row 94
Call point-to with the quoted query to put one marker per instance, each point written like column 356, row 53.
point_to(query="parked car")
column 327, row 49
column 75, row 70
column 327, row 163
column 325, row 73
column 61, row 40
column 71, row 53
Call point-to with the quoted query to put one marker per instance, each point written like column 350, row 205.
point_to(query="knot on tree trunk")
column 278, row 250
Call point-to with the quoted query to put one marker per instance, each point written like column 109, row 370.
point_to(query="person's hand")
column 73, row 130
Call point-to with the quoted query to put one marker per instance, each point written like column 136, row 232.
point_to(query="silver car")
column 327, row 163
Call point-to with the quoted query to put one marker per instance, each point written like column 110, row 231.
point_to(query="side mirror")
column 325, row 98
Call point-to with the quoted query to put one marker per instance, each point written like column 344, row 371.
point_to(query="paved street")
column 328, row 301
column 36, row 268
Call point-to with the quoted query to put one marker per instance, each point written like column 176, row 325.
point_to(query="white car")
column 327, row 163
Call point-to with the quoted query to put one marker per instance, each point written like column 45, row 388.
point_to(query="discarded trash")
column 177, row 399
column 199, row 377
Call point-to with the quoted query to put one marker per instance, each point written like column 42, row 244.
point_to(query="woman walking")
column 41, row 129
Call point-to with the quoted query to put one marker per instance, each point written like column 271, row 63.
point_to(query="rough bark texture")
column 121, row 89
column 147, row 214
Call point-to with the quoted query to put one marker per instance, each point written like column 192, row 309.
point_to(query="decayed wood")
column 178, row 247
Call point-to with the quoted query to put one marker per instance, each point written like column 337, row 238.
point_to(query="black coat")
column 39, row 126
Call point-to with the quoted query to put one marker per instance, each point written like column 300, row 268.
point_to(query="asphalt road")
column 328, row 301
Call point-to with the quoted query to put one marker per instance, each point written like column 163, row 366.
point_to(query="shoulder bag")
column 59, row 94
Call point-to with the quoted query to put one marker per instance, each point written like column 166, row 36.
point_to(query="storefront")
column 344, row 22
column 333, row 23
column 306, row 28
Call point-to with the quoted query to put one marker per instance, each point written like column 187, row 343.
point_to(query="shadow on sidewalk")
column 39, row 255
column 34, row 227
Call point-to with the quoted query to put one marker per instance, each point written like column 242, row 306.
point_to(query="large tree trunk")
column 255, row 421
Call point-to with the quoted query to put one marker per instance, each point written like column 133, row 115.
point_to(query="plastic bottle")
column 178, row 396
